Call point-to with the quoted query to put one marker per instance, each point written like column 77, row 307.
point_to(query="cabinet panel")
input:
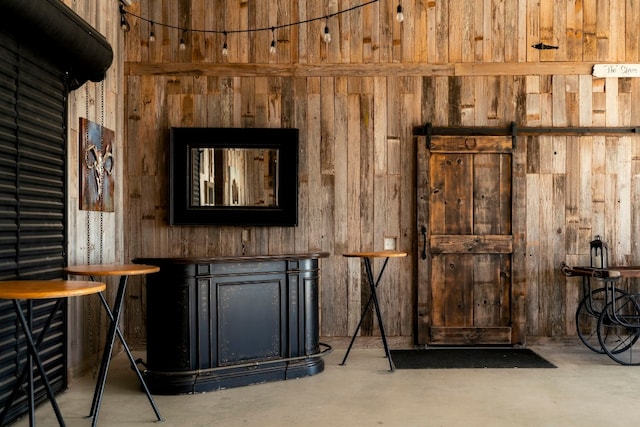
column 250, row 320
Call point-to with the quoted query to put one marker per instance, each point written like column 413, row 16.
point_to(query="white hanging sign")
column 616, row 70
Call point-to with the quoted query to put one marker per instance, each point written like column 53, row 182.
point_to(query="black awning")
column 57, row 32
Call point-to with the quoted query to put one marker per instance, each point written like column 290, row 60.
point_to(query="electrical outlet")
column 389, row 243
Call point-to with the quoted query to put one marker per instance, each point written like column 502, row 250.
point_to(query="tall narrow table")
column 29, row 290
column 367, row 257
column 124, row 271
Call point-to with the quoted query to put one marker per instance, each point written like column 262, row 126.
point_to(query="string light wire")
column 225, row 32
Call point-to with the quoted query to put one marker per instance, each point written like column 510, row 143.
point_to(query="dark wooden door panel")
column 471, row 290
column 491, row 296
column 452, row 193
column 492, row 194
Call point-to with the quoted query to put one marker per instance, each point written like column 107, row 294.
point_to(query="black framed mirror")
column 233, row 176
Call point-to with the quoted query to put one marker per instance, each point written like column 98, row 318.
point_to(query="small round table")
column 124, row 271
column 367, row 256
column 29, row 290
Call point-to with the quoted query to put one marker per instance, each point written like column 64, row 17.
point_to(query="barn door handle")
column 423, row 230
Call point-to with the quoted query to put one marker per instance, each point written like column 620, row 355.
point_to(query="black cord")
column 125, row 12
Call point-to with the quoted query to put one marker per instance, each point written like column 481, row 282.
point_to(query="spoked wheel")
column 587, row 316
column 619, row 330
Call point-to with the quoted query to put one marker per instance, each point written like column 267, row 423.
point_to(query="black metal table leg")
column 114, row 316
column 33, row 356
column 376, row 305
column 27, row 367
column 355, row 334
column 108, row 350
column 372, row 298
column 131, row 359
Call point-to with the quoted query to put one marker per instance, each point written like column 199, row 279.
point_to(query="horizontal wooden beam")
column 470, row 144
column 362, row 69
column 523, row 68
column 471, row 244
column 470, row 335
column 286, row 70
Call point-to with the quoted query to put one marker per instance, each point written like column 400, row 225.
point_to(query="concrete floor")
column 586, row 389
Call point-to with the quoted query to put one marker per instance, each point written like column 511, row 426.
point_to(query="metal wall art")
column 97, row 166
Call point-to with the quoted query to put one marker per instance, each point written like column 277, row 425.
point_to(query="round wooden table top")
column 111, row 269
column 44, row 289
column 386, row 254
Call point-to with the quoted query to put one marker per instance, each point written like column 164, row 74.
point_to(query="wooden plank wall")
column 356, row 101
column 100, row 102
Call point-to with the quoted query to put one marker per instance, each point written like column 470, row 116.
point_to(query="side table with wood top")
column 29, row 290
column 124, row 271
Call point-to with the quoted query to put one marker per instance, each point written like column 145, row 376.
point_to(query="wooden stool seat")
column 375, row 254
column 111, row 269
column 46, row 289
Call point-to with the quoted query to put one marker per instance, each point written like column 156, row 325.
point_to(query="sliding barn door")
column 467, row 248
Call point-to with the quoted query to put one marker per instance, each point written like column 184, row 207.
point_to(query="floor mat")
column 460, row 358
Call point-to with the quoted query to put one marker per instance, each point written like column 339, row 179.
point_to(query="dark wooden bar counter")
column 220, row 322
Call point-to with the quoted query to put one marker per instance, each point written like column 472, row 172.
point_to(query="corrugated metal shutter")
column 32, row 206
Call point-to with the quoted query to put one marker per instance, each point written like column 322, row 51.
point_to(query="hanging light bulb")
column 326, row 36
column 152, row 35
column 399, row 14
column 272, row 47
column 225, row 47
column 124, row 24
column 182, row 46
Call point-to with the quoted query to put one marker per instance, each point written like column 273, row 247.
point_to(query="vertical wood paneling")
column 511, row 43
column 438, row 32
column 632, row 38
column 410, row 39
column 357, row 153
column 499, row 43
column 457, row 38
column 86, row 319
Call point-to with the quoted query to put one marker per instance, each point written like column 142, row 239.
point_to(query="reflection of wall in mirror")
column 209, row 193
column 234, row 177
column 230, row 180
column 204, row 171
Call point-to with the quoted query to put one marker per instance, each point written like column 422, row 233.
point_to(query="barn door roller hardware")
column 514, row 131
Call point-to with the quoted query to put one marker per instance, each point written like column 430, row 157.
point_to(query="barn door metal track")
column 514, row 131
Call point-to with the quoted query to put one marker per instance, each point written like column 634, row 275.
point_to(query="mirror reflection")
column 234, row 177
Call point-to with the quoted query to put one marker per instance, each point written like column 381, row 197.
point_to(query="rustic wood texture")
column 101, row 102
column 356, row 101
